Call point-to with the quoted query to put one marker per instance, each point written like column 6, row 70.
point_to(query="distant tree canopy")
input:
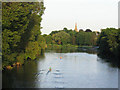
column 86, row 38
column 72, row 37
column 48, row 39
column 81, row 30
column 61, row 38
column 54, row 32
column 21, row 31
column 88, row 30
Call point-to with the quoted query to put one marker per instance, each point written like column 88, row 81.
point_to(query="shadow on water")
column 22, row 76
column 113, row 62
column 71, row 50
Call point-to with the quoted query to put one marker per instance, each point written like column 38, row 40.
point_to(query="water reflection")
column 76, row 69
column 80, row 49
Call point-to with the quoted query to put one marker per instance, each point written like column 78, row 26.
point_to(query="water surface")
column 74, row 70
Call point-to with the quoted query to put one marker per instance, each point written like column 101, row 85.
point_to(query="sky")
column 88, row 14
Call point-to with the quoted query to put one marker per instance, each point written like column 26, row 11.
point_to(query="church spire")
column 76, row 27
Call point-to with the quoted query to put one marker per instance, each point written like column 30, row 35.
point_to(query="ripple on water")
column 57, row 70
column 57, row 73
column 58, row 77
column 59, row 82
column 59, row 87
column 42, row 70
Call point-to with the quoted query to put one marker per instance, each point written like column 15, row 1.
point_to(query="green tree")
column 61, row 38
column 21, row 31
column 109, row 43
column 48, row 39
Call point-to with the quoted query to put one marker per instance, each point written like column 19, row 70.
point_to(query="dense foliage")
column 109, row 44
column 21, row 36
column 61, row 38
column 86, row 38
column 65, row 36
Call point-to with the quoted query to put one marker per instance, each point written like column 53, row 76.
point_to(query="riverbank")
column 71, row 48
column 19, row 64
column 56, row 46
column 59, row 49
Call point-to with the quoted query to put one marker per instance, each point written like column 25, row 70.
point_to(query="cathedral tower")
column 76, row 27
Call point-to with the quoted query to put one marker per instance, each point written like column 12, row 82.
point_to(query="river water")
column 73, row 70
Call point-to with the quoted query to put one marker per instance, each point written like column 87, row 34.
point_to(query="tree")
column 86, row 38
column 54, row 32
column 61, row 38
column 80, row 38
column 48, row 39
column 109, row 43
column 21, row 30
column 88, row 30
column 81, row 30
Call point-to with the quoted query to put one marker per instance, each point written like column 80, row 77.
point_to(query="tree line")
column 65, row 36
column 21, row 35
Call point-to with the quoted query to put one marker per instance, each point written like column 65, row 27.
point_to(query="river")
column 73, row 70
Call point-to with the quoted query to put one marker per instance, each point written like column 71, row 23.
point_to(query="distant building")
column 76, row 27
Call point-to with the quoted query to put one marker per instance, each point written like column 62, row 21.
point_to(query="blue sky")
column 88, row 14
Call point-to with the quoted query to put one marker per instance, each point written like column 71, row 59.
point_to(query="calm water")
column 74, row 70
